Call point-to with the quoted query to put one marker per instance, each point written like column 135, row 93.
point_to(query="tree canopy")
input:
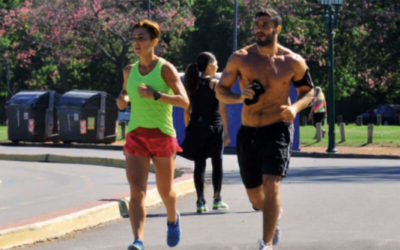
column 60, row 45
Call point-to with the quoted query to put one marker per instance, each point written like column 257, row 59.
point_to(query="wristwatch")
column 156, row 95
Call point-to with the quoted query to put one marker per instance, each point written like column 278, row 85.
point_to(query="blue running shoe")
column 277, row 235
column 173, row 232
column 136, row 245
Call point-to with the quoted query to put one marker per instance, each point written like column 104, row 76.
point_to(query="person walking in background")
column 266, row 71
column 152, row 85
column 206, row 127
column 318, row 110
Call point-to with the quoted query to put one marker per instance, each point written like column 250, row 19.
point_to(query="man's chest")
column 266, row 70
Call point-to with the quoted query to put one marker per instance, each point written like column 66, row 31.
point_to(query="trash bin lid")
column 78, row 98
column 29, row 98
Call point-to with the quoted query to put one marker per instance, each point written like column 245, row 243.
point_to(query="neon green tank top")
column 149, row 113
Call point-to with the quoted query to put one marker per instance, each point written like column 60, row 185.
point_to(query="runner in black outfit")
column 207, row 127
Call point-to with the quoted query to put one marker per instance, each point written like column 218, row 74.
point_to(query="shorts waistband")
column 150, row 132
column 270, row 126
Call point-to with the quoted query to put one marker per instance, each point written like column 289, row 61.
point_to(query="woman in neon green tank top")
column 152, row 85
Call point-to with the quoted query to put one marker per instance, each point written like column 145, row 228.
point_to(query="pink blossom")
column 370, row 82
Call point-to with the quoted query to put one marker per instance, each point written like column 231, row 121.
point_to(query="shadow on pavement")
column 350, row 174
column 209, row 213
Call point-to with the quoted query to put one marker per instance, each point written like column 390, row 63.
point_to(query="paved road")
column 30, row 189
column 328, row 204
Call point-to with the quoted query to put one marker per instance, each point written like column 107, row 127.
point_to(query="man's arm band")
column 305, row 81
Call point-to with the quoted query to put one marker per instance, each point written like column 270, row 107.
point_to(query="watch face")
column 156, row 95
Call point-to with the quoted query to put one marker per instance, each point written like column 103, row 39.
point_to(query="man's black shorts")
column 263, row 150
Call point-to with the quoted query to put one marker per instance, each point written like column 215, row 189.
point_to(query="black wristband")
column 156, row 95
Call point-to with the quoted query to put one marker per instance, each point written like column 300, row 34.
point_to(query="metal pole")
column 235, row 26
column 331, row 105
column 148, row 10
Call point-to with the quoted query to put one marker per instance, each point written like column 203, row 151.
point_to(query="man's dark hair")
column 273, row 14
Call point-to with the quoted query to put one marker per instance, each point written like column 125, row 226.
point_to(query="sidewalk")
column 70, row 219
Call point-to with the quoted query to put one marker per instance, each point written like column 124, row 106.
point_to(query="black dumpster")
column 87, row 117
column 31, row 116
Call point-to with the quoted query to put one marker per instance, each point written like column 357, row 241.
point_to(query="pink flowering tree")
column 369, row 37
column 366, row 44
column 214, row 28
column 83, row 44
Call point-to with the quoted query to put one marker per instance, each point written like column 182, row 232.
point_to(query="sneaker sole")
column 201, row 211
column 134, row 248
column 220, row 208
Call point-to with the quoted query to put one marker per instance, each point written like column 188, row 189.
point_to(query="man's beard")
column 268, row 40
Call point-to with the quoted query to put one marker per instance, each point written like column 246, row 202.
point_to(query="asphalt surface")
column 329, row 203
column 37, row 188
column 43, row 195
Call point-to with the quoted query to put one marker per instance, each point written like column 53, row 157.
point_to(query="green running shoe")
column 220, row 205
column 201, row 208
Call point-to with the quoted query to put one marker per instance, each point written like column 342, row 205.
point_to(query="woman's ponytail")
column 191, row 79
column 195, row 70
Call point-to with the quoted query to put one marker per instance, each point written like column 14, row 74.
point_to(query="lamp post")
column 148, row 10
column 235, row 21
column 330, row 18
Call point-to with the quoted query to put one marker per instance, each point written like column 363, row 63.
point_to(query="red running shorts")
column 148, row 142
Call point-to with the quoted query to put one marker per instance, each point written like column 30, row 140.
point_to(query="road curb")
column 227, row 150
column 110, row 162
column 82, row 217
column 64, row 159
column 342, row 155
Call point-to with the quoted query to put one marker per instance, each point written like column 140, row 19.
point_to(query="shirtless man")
column 265, row 137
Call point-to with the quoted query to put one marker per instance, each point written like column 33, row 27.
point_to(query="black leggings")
column 199, row 171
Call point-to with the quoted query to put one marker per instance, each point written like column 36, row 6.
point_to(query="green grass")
column 119, row 135
column 4, row 136
column 3, row 133
column 385, row 135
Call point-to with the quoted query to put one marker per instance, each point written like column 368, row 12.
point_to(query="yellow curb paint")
column 62, row 225
column 58, row 226
column 184, row 187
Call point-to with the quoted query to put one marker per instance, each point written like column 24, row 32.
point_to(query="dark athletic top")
column 205, row 105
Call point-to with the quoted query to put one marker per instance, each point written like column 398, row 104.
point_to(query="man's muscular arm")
column 305, row 92
column 230, row 74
